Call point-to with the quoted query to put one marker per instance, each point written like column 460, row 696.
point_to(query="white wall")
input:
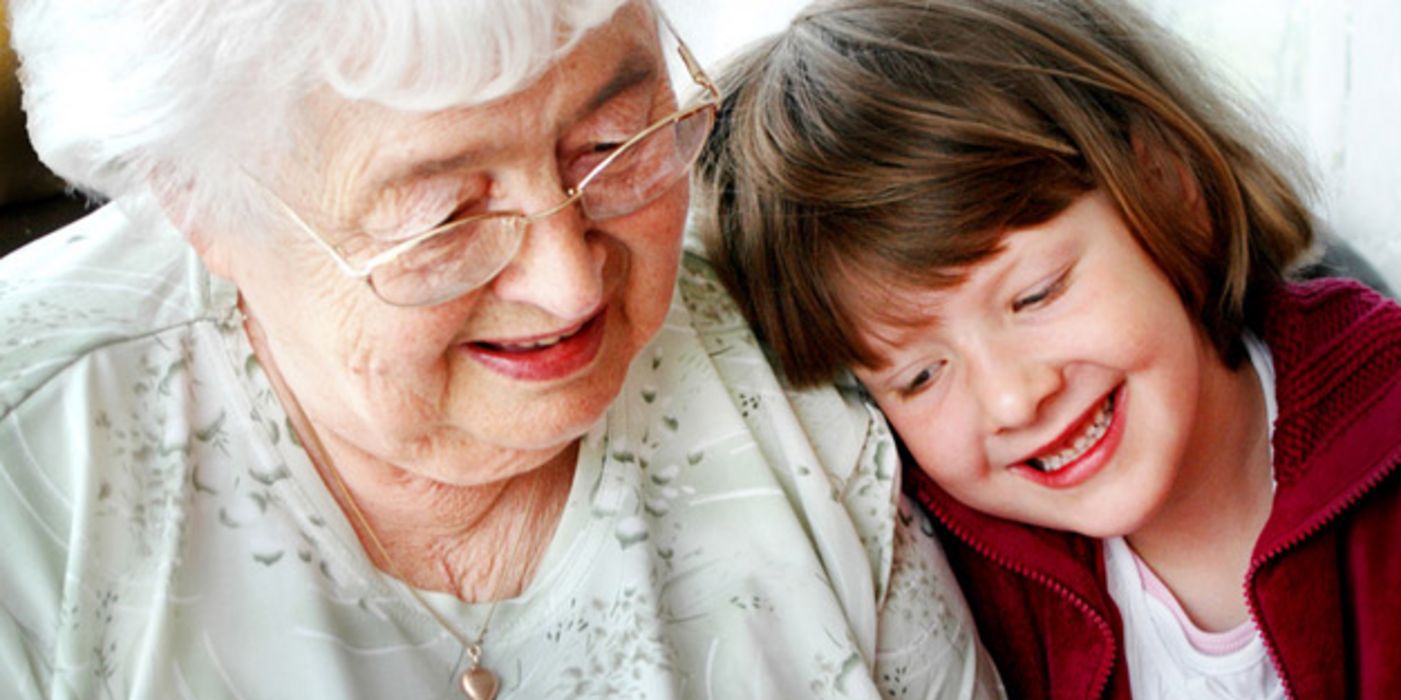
column 1329, row 70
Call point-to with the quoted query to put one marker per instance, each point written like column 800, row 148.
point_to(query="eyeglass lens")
column 466, row 256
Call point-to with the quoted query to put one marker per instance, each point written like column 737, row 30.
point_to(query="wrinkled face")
column 1061, row 384
column 498, row 381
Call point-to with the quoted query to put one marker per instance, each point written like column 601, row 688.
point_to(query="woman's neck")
column 476, row 542
column 480, row 542
column 1199, row 543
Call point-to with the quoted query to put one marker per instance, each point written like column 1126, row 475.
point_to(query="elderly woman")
column 377, row 379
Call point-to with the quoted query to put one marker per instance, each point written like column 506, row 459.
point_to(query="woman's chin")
column 493, row 439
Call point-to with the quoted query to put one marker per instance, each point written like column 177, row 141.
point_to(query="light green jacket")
column 166, row 537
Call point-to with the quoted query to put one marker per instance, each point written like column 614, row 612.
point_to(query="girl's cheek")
column 963, row 447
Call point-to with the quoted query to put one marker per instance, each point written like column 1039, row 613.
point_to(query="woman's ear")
column 212, row 250
column 177, row 202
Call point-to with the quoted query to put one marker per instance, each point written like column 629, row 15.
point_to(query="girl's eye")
column 922, row 380
column 1044, row 294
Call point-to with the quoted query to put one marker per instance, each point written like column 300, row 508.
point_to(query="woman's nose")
column 1013, row 383
column 559, row 267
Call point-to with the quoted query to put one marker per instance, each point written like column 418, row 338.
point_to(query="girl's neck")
column 1199, row 543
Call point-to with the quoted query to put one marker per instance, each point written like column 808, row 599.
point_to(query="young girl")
column 1059, row 265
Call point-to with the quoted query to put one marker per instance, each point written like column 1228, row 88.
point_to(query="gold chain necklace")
column 478, row 682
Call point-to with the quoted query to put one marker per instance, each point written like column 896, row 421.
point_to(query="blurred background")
column 1329, row 71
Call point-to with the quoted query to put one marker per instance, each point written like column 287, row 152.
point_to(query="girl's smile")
column 1062, row 383
column 1083, row 451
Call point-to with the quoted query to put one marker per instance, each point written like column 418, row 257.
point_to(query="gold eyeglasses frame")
column 708, row 100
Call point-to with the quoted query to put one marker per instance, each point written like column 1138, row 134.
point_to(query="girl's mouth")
column 1090, row 433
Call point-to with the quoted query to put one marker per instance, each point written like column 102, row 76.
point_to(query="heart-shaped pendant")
column 479, row 683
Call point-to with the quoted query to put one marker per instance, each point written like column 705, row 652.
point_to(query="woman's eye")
column 461, row 211
column 606, row 130
column 606, row 147
column 466, row 208
column 420, row 207
column 589, row 158
column 1042, row 295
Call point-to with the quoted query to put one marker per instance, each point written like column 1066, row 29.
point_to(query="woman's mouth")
column 531, row 344
column 543, row 358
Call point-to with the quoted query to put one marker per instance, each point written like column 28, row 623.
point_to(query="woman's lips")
column 1092, row 460
column 543, row 358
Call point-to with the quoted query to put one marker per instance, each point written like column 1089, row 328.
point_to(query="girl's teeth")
column 1093, row 432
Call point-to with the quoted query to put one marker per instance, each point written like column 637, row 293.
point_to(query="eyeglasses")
column 445, row 262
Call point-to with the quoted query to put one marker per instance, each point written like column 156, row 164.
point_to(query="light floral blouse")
column 166, row 537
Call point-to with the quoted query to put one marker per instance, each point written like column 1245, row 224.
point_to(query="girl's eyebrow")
column 899, row 315
column 891, row 336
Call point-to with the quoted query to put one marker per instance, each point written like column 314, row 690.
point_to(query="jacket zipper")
column 1106, row 667
column 1312, row 529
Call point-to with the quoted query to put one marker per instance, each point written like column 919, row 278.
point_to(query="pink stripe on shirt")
column 1211, row 643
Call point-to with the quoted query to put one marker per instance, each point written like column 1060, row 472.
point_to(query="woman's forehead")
column 390, row 146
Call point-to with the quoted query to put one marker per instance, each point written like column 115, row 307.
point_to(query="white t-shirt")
column 1168, row 655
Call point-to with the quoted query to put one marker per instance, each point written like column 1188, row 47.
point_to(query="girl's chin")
column 1122, row 520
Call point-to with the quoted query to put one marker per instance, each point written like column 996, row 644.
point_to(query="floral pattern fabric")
column 167, row 537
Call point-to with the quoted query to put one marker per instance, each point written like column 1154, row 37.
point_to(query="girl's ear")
column 1167, row 172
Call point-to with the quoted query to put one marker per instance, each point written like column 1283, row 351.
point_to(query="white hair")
column 125, row 95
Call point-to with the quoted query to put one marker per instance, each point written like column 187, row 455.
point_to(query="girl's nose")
column 1012, row 383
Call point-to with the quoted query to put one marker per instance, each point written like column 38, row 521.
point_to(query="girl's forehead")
column 892, row 309
column 888, row 301
column 888, row 316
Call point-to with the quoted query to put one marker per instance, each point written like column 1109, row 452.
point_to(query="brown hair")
column 900, row 139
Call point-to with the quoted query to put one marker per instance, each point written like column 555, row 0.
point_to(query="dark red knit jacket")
column 1324, row 584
